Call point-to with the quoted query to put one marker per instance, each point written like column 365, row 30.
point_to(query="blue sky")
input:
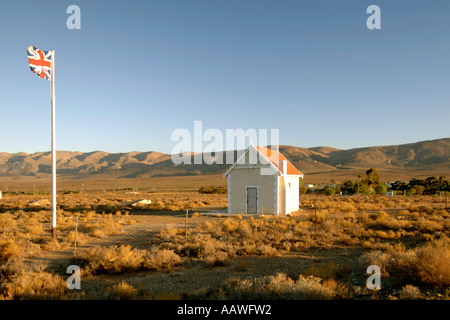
column 138, row 70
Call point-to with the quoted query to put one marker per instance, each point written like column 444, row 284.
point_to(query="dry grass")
column 410, row 292
column 326, row 228
column 24, row 281
column 8, row 249
column 122, row 291
column 276, row 287
column 406, row 236
column 124, row 259
column 425, row 265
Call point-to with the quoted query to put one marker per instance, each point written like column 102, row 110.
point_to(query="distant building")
column 263, row 181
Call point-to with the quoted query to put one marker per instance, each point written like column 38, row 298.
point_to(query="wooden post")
column 445, row 195
column 260, row 219
column 76, row 231
column 185, row 226
column 315, row 218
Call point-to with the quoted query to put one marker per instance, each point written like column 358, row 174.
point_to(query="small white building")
column 263, row 181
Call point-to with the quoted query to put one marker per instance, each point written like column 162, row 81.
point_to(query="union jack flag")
column 40, row 62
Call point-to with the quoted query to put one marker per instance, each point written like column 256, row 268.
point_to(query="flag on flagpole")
column 43, row 64
column 40, row 62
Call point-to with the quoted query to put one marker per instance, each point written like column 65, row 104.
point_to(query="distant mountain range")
column 429, row 156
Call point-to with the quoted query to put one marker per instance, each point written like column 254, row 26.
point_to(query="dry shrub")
column 413, row 208
column 427, row 225
column 35, row 229
column 51, row 245
column 265, row 250
column 161, row 260
column 276, row 287
column 122, row 259
column 157, row 205
column 18, row 265
column 244, row 229
column 8, row 249
column 429, row 264
column 219, row 258
column 347, row 208
column 433, row 263
column 329, row 271
column 202, row 245
column 13, row 266
column 230, row 225
column 385, row 235
column 7, row 222
column 111, row 260
column 317, row 219
column 385, row 221
column 409, row 292
column 81, row 237
column 174, row 207
column 90, row 216
column 382, row 215
column 33, row 285
column 169, row 233
column 122, row 291
column 104, row 228
column 404, row 212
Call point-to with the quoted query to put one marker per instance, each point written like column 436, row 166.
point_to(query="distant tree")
column 398, row 185
column 213, row 189
column 418, row 189
column 430, row 185
column 372, row 178
column 301, row 188
column 364, row 189
column 329, row 191
column 380, row 189
column 300, row 182
column 348, row 187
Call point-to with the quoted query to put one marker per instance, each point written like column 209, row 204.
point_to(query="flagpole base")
column 54, row 233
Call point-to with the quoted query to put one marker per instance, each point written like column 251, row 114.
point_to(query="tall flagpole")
column 52, row 95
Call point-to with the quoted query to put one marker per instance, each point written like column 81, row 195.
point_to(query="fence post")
column 76, row 232
column 185, row 226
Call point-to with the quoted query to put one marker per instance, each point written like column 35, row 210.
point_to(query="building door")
column 252, row 200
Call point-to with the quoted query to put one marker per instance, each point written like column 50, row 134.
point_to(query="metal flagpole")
column 52, row 94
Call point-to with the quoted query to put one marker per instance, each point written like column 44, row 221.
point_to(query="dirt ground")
column 194, row 275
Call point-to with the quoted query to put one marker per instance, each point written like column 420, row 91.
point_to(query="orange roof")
column 276, row 159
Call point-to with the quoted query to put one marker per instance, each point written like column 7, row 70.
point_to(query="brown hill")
column 416, row 159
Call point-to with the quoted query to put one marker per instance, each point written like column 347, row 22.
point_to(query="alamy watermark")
column 74, row 281
column 74, row 20
column 212, row 146
column 373, row 22
column 374, row 281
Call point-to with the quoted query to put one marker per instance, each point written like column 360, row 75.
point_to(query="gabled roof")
column 274, row 158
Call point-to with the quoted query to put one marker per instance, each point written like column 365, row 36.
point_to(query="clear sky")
column 138, row 70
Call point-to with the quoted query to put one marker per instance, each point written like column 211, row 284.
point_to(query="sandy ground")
column 194, row 275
